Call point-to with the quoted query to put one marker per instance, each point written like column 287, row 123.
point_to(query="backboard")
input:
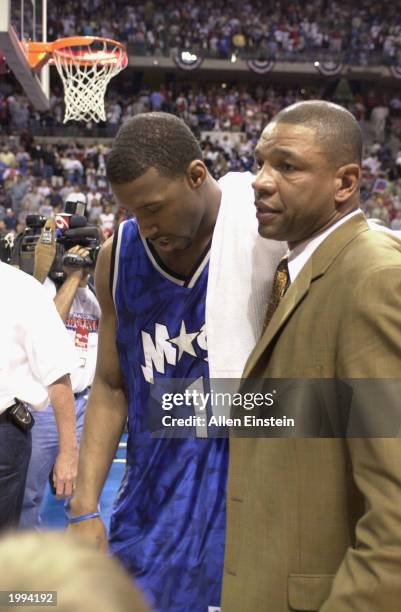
column 20, row 21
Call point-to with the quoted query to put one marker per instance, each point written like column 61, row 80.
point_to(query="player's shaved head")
column 336, row 129
column 151, row 140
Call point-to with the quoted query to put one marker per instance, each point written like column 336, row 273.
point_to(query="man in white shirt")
column 36, row 358
column 313, row 518
column 79, row 310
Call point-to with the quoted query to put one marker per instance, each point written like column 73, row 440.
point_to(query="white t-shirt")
column 82, row 325
column 35, row 347
column 107, row 221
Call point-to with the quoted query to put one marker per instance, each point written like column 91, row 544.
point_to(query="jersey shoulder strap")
column 113, row 272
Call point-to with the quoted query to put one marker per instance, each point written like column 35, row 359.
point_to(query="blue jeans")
column 15, row 450
column 44, row 453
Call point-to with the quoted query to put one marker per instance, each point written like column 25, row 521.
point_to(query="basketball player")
column 168, row 524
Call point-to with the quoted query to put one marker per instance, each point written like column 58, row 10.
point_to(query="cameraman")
column 79, row 310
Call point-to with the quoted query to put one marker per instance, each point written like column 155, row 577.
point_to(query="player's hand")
column 65, row 472
column 92, row 530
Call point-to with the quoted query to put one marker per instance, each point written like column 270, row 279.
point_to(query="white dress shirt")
column 35, row 346
column 300, row 254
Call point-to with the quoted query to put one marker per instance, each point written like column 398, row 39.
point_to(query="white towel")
column 241, row 271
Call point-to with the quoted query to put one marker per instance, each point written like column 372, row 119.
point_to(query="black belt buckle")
column 21, row 416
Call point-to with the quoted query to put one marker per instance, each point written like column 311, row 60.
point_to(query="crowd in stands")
column 381, row 184
column 264, row 28
column 36, row 178
column 204, row 106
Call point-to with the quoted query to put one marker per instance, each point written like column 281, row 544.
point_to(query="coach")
column 315, row 524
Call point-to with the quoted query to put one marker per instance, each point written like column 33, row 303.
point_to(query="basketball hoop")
column 86, row 65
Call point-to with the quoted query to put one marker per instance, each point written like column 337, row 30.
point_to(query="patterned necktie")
column 281, row 283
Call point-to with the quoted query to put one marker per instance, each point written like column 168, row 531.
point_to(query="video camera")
column 72, row 229
column 21, row 248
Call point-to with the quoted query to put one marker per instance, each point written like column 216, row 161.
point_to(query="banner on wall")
column 329, row 68
column 260, row 66
column 395, row 71
column 186, row 60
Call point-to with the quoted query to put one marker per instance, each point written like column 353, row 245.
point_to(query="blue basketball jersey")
column 168, row 522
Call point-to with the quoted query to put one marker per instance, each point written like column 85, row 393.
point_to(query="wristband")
column 81, row 517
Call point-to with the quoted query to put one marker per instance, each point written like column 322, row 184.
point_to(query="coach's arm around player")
column 105, row 418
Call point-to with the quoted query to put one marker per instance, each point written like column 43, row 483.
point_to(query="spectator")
column 95, row 211
column 32, row 201
column 17, row 192
column 106, row 220
column 378, row 117
column 7, row 157
column 49, row 162
column 396, row 222
column 83, row 578
column 10, row 220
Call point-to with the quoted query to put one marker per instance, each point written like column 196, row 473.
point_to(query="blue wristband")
column 81, row 517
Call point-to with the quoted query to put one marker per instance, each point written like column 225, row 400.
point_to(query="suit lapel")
column 316, row 266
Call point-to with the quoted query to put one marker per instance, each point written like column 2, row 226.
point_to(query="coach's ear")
column 347, row 182
column 196, row 173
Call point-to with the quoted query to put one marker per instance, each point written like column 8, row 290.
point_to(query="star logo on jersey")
column 184, row 341
column 159, row 349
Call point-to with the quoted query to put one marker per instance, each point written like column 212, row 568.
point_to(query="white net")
column 85, row 73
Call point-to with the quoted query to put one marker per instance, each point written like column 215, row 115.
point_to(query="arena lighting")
column 316, row 64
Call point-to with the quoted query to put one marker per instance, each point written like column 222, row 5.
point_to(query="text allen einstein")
column 224, row 421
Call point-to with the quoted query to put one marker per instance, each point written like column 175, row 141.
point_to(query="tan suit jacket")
column 315, row 524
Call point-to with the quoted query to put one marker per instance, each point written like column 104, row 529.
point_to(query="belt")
column 83, row 392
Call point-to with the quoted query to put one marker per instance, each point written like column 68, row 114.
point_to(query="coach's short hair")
column 336, row 129
column 151, row 140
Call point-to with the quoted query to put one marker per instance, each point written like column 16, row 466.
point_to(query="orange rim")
column 39, row 53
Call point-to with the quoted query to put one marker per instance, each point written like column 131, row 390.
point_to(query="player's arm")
column 106, row 411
